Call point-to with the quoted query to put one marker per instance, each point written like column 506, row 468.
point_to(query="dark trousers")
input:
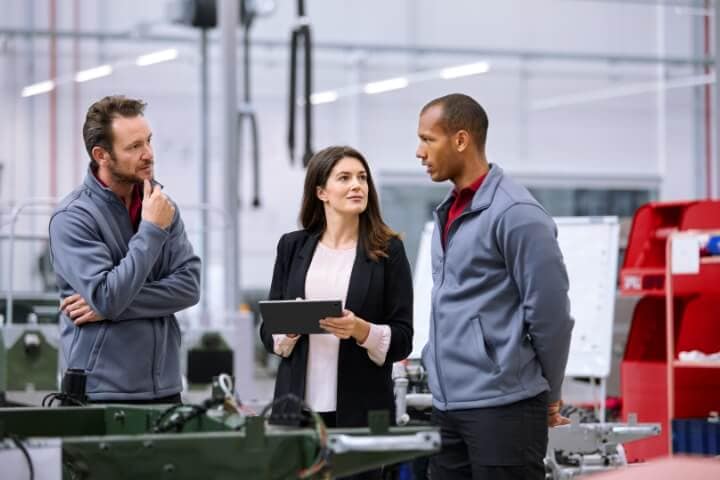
column 169, row 399
column 330, row 420
column 499, row 443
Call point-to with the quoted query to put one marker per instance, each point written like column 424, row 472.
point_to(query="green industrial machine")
column 117, row 442
column 29, row 350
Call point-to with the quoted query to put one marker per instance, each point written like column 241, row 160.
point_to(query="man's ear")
column 461, row 140
column 100, row 155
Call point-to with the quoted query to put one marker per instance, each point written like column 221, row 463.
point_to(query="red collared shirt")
column 135, row 208
column 460, row 202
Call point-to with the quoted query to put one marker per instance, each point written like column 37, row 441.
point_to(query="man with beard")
column 124, row 264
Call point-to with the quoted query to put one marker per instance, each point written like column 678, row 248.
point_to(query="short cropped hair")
column 462, row 112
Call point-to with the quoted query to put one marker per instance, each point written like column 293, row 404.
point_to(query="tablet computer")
column 298, row 316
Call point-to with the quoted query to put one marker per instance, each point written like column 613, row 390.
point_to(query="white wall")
column 614, row 138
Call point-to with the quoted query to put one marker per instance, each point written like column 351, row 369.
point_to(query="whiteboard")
column 422, row 290
column 590, row 249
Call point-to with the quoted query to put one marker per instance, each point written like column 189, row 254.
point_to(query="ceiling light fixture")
column 464, row 70
column 93, row 73
column 156, row 57
column 386, row 85
column 38, row 88
column 323, row 97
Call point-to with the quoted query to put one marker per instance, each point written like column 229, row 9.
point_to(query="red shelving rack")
column 678, row 312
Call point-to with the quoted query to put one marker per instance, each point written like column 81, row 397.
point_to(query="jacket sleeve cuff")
column 377, row 343
column 554, row 395
column 152, row 229
column 283, row 345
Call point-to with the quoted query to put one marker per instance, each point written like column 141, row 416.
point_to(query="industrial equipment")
column 190, row 441
column 582, row 448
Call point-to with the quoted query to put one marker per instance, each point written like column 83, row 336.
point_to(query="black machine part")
column 301, row 37
column 73, row 386
column 195, row 13
column 247, row 114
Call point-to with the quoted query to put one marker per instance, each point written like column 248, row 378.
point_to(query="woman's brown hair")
column 374, row 234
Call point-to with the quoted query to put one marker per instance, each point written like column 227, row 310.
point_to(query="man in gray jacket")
column 500, row 324
column 124, row 264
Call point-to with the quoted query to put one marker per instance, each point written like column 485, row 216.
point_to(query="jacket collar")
column 483, row 197
column 93, row 184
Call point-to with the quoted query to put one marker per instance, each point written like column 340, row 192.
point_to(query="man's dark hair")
column 461, row 112
column 97, row 130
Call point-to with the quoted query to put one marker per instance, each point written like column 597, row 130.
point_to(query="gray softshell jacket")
column 137, row 281
column 500, row 324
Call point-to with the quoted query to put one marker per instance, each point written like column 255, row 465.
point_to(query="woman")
column 344, row 251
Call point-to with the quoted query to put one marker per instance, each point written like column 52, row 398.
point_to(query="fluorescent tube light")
column 38, row 88
column 156, row 57
column 385, row 85
column 323, row 97
column 465, row 70
column 93, row 73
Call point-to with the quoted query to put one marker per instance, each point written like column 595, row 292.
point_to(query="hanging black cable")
column 21, row 446
column 308, row 153
column 247, row 113
column 300, row 37
column 293, row 92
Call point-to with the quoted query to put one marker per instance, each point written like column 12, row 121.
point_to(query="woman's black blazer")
column 379, row 292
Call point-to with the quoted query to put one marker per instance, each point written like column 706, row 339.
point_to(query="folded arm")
column 82, row 258
column 178, row 289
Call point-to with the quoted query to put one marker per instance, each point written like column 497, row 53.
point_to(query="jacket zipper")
column 153, row 368
column 434, row 309
column 154, row 358
column 453, row 227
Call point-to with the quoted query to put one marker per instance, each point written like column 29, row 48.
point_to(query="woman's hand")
column 347, row 326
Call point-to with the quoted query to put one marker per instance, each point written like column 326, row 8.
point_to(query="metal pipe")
column 714, row 186
column 52, row 157
column 375, row 49
column 30, row 125
column 707, row 110
column 228, row 12
column 419, row 400
column 77, row 164
column 203, row 172
column 425, row 441
column 11, row 248
column 661, row 101
column 24, row 236
column 652, row 3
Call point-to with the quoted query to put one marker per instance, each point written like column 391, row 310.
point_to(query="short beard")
column 120, row 177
